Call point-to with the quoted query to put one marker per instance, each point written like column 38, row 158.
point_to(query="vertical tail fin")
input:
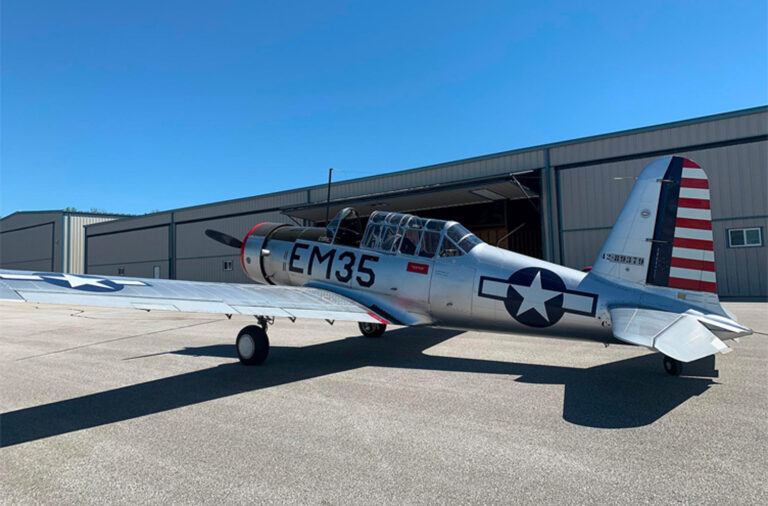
column 663, row 237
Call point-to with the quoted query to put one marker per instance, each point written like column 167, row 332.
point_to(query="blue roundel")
column 535, row 297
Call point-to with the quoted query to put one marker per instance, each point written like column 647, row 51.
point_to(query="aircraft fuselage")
column 487, row 288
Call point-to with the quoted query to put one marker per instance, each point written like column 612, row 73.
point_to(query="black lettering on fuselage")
column 349, row 257
column 320, row 259
column 295, row 256
column 362, row 269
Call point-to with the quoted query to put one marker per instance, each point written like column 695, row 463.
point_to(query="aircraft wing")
column 187, row 296
column 685, row 336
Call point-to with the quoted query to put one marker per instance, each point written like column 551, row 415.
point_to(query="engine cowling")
column 254, row 251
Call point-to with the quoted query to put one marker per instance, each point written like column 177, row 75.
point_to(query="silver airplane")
column 653, row 283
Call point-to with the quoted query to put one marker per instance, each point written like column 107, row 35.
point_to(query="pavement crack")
column 115, row 339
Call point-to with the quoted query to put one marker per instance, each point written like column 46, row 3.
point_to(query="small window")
column 449, row 249
column 429, row 244
column 156, row 271
column 745, row 237
column 121, row 271
column 457, row 233
column 227, row 265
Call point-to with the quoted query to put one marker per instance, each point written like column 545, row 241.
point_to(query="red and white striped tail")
column 692, row 265
column 663, row 236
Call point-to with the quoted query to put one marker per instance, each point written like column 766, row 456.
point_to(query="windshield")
column 405, row 234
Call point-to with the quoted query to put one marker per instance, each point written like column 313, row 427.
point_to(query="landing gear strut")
column 672, row 367
column 252, row 343
column 372, row 329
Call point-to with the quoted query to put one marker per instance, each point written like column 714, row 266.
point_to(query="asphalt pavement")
column 108, row 406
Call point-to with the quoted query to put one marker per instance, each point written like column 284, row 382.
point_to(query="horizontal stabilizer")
column 688, row 340
column 686, row 337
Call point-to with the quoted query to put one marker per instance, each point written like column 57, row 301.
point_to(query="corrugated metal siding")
column 592, row 196
column 119, row 225
column 741, row 272
column 200, row 258
column 430, row 176
column 668, row 138
column 134, row 270
column 133, row 247
column 582, row 247
column 28, row 248
column 592, row 199
column 247, row 205
column 38, row 249
column 211, row 269
column 76, row 230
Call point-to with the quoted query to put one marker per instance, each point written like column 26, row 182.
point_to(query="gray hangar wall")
column 52, row 241
column 733, row 151
column 582, row 185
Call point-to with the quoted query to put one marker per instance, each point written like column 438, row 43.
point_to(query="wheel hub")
column 246, row 346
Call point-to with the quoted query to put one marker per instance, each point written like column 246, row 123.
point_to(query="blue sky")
column 137, row 106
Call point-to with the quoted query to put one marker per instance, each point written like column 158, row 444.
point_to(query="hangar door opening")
column 510, row 220
column 504, row 210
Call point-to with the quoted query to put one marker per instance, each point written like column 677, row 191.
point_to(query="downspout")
column 550, row 221
column 63, row 242
column 69, row 242
column 172, row 247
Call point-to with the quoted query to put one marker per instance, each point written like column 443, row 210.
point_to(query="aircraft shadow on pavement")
column 628, row 393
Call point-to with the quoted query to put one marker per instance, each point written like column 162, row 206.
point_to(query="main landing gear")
column 672, row 367
column 252, row 342
column 372, row 329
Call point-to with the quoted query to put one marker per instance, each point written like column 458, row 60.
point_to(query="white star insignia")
column 76, row 281
column 535, row 297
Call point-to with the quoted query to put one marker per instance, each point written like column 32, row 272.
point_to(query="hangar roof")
column 432, row 185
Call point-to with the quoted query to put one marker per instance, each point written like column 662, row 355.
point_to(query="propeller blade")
column 224, row 238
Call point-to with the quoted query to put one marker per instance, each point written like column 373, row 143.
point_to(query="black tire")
column 372, row 329
column 252, row 345
column 672, row 367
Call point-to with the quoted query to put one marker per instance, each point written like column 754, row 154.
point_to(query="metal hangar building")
column 49, row 241
column 556, row 201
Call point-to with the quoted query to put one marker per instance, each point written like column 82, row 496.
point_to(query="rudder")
column 663, row 237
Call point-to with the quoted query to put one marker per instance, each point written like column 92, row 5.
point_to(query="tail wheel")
column 252, row 345
column 372, row 329
column 672, row 367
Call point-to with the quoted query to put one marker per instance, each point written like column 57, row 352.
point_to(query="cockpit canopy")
column 406, row 234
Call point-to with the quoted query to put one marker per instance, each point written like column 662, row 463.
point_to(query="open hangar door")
column 503, row 211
